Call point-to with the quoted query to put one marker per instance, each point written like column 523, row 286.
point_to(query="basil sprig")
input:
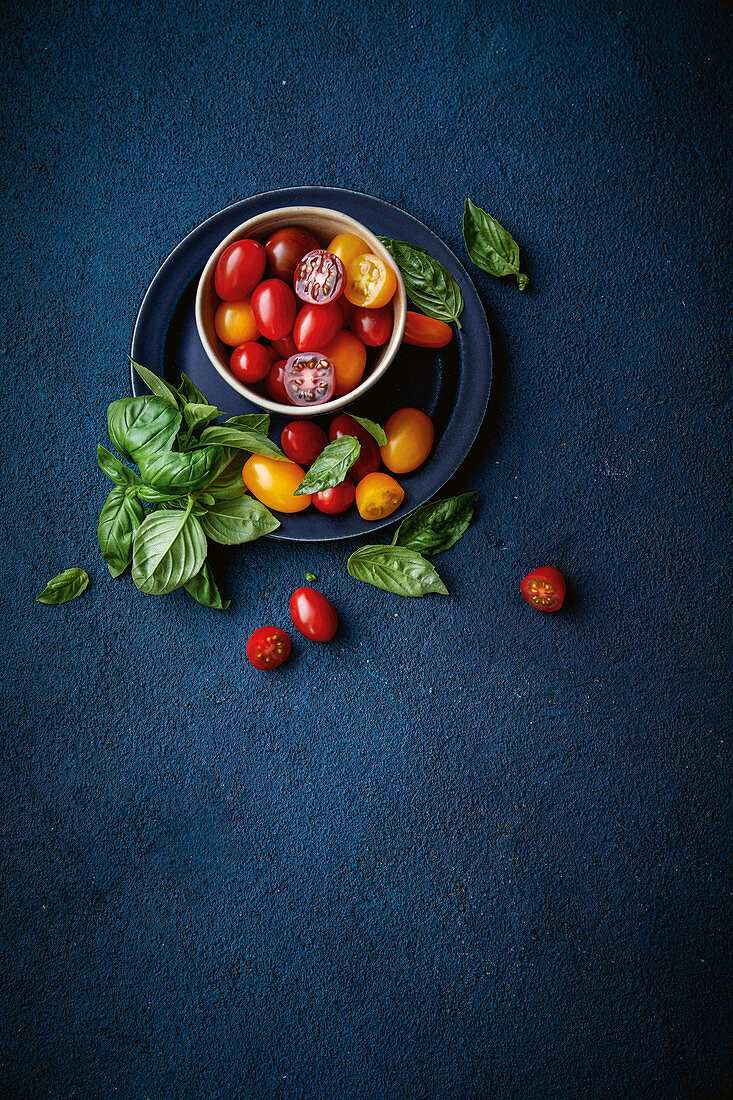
column 331, row 466
column 430, row 286
column 490, row 246
column 66, row 586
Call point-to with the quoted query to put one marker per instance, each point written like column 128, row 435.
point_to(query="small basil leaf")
column 395, row 569
column 242, row 439
column 180, row 472
column 169, row 549
column 189, row 392
column 142, row 426
column 436, row 527
column 231, row 522
column 118, row 521
column 110, row 465
column 256, row 422
column 331, row 466
column 430, row 286
column 157, row 386
column 197, row 415
column 311, row 577
column 206, row 498
column 374, row 429
column 67, row 586
column 155, row 496
column 489, row 245
column 203, row 588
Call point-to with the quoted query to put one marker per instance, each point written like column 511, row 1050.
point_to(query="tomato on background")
column 273, row 482
column 347, row 246
column 268, row 647
column 319, row 277
column 302, row 441
column 370, row 282
column 372, row 326
column 235, row 323
column 348, row 355
column 544, row 588
column 378, row 496
column 275, row 383
column 250, row 362
column 313, row 615
column 316, row 326
column 239, row 269
column 410, row 435
column 337, row 499
column 285, row 248
column 368, row 460
column 274, row 308
column 309, row 378
column 426, row 332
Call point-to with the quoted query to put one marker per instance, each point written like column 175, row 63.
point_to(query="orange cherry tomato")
column 426, row 332
column 273, row 482
column 235, row 323
column 348, row 355
column 410, row 435
column 378, row 495
column 347, row 246
column 370, row 281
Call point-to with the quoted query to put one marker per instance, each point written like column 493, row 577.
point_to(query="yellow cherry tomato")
column 378, row 495
column 410, row 435
column 348, row 355
column 347, row 246
column 273, row 483
column 370, row 282
column 235, row 323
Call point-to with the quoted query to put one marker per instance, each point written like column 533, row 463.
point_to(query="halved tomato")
column 370, row 282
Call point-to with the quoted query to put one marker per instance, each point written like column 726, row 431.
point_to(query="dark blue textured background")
column 467, row 850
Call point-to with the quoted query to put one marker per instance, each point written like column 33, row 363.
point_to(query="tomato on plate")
column 347, row 246
column 309, row 378
column 368, row 460
column 239, row 269
column 302, row 441
column 250, row 362
column 235, row 323
column 370, row 281
column 378, row 496
column 372, row 326
column 285, row 248
column 275, row 383
column 337, row 499
column 319, row 277
column 410, row 435
column 544, row 588
column 348, row 355
column 274, row 308
column 316, row 326
column 273, row 481
column 426, row 332
column 268, row 647
column 313, row 615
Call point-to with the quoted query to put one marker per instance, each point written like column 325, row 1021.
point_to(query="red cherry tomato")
column 274, row 308
column 285, row 247
column 426, row 332
column 239, row 269
column 275, row 383
column 309, row 378
column 544, row 588
column 316, row 326
column 303, row 441
column 369, row 458
column 250, row 362
column 319, row 277
column 273, row 353
column 372, row 326
column 336, row 499
column 285, row 347
column 346, row 307
column 268, row 647
column 313, row 615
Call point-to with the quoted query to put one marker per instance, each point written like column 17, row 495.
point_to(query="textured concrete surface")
column 467, row 850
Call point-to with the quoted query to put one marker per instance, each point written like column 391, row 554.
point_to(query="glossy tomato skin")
column 319, row 277
column 274, row 308
column 285, row 347
column 347, row 246
column 410, row 436
column 426, row 332
column 239, row 269
column 235, row 323
column 313, row 615
column 268, row 647
column 316, row 326
column 369, row 458
column 250, row 362
column 378, row 496
column 302, row 441
column 285, row 248
column 372, row 326
column 348, row 355
column 273, row 482
column 275, row 383
column 370, row 281
column 544, row 588
column 337, row 499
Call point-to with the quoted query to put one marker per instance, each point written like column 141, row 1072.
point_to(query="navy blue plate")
column 452, row 386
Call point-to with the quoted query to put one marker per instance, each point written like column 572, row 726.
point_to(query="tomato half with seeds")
column 274, row 482
column 235, row 323
column 319, row 277
column 309, row 378
column 372, row 326
column 410, row 435
column 274, row 308
column 426, row 332
column 369, row 459
column 337, row 499
column 285, row 248
column 239, row 269
column 316, row 326
column 378, row 496
column 303, row 441
column 250, row 362
column 348, row 355
column 313, row 615
column 370, row 281
column 544, row 588
column 268, row 647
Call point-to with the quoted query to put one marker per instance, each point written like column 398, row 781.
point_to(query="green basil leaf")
column 142, row 426
column 203, row 588
column 189, row 392
column 67, row 586
column 157, row 386
column 331, row 466
column 196, row 415
column 155, row 496
column 374, row 429
column 256, row 422
column 311, row 577
column 231, row 522
column 110, row 465
column 118, row 521
column 395, row 569
column 228, row 484
column 176, row 472
column 436, row 527
column 431, row 287
column 489, row 245
column 169, row 549
column 206, row 498
column 242, row 439
column 179, row 503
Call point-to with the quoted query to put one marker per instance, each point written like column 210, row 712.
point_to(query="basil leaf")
column 196, row 415
column 176, row 472
column 189, row 392
column 231, row 522
column 228, row 484
column 331, row 466
column 157, row 386
column 395, row 569
column 374, row 429
column 155, row 496
column 431, row 287
column 242, row 439
column 169, row 549
column 256, row 422
column 119, row 519
column 110, row 465
column 436, row 527
column 489, row 245
column 142, row 426
column 311, row 577
column 203, row 588
column 67, row 586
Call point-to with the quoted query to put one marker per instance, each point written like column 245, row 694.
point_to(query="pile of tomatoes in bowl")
column 301, row 318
